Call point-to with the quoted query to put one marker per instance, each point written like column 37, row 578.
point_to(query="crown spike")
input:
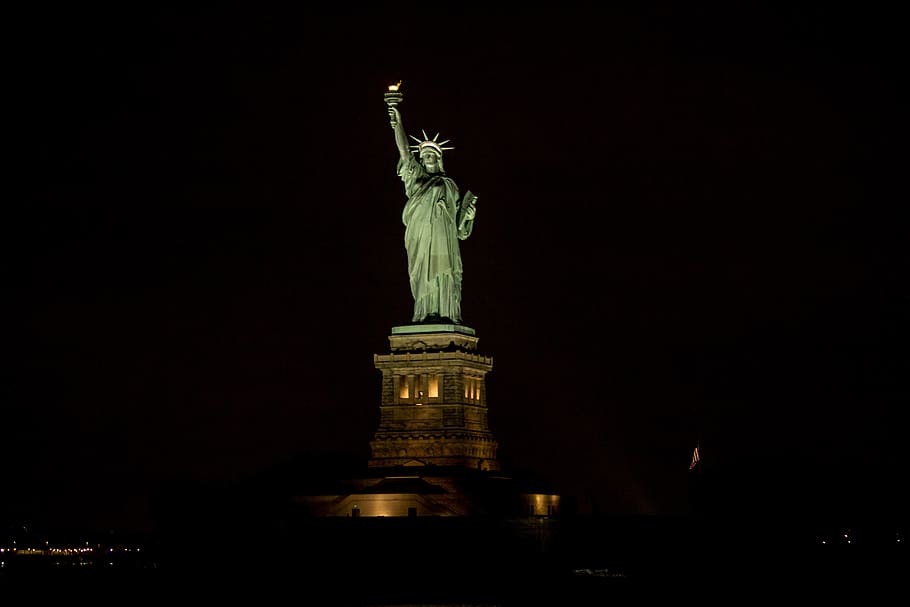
column 433, row 143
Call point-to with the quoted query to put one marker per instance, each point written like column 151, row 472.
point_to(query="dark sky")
column 687, row 232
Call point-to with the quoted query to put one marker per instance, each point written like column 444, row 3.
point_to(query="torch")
column 393, row 97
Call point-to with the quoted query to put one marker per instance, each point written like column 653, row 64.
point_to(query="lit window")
column 433, row 386
column 472, row 389
column 403, row 386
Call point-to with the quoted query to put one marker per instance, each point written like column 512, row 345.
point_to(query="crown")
column 433, row 144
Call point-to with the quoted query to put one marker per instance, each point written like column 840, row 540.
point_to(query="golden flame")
column 394, row 87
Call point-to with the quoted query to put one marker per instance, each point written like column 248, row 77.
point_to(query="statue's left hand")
column 469, row 212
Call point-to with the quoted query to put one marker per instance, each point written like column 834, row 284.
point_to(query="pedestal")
column 433, row 408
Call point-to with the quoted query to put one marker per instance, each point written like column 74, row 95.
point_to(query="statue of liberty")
column 435, row 217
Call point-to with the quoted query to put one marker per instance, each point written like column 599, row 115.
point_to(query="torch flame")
column 394, row 87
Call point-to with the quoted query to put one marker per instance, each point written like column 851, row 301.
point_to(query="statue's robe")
column 431, row 239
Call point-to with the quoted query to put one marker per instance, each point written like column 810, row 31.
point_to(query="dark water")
column 457, row 562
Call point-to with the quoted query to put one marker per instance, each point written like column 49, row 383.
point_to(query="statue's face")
column 430, row 160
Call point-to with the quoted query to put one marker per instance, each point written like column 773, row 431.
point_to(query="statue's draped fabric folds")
column 431, row 239
column 436, row 217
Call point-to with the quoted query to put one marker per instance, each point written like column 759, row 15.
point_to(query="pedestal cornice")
column 432, row 337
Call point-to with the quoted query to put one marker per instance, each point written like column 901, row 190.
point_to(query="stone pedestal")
column 433, row 409
column 433, row 454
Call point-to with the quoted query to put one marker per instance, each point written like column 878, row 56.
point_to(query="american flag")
column 695, row 458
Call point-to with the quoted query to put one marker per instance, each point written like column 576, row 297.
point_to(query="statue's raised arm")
column 392, row 98
column 401, row 138
column 436, row 217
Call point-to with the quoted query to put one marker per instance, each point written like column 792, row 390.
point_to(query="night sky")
column 687, row 233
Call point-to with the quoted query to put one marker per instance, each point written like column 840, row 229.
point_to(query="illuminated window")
column 469, row 387
column 433, row 386
column 472, row 388
column 403, row 386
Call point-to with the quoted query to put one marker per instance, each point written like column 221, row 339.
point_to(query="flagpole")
column 696, row 496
